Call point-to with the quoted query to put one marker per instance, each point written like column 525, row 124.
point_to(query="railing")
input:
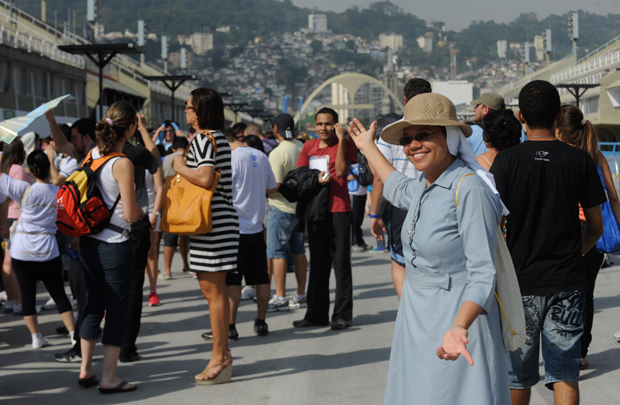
column 611, row 150
column 516, row 86
column 22, row 38
column 600, row 63
column 16, row 39
column 597, row 50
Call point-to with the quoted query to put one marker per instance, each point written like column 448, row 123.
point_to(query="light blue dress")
column 449, row 260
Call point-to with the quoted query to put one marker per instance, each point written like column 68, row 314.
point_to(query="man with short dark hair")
column 543, row 182
column 82, row 137
column 239, row 130
column 397, row 158
column 165, row 134
column 282, row 235
column 330, row 240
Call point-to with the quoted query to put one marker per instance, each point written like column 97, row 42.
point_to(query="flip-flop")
column 118, row 388
column 88, row 382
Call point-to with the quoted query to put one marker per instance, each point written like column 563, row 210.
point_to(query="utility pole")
column 141, row 40
column 573, row 29
column 43, row 10
column 164, row 52
column 526, row 57
column 92, row 11
column 546, row 34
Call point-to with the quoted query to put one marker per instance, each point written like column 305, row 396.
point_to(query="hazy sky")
column 462, row 12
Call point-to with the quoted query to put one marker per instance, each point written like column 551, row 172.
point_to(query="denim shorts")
column 557, row 319
column 282, row 235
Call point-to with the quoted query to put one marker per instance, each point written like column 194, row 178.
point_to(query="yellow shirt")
column 283, row 159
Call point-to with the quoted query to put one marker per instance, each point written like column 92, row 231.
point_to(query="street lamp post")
column 101, row 55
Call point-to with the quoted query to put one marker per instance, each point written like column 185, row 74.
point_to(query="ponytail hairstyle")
column 39, row 164
column 13, row 154
column 575, row 130
column 112, row 128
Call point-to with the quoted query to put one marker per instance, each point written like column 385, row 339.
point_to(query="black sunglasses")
column 419, row 137
column 187, row 107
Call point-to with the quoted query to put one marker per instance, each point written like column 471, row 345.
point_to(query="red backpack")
column 80, row 209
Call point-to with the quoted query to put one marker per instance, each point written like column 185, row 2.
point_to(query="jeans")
column 282, row 236
column 141, row 246
column 330, row 242
column 556, row 319
column 107, row 273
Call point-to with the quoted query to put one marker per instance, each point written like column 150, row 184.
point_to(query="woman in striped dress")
column 214, row 254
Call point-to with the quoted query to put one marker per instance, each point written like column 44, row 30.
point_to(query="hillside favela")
column 304, row 201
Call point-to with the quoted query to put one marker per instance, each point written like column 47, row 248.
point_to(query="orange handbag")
column 186, row 207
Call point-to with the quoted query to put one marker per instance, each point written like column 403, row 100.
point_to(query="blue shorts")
column 281, row 235
column 559, row 320
column 397, row 258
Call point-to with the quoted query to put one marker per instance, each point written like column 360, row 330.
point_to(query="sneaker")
column 340, row 324
column 164, row 276
column 277, row 304
column 375, row 250
column 153, row 299
column 248, row 293
column 50, row 304
column 616, row 335
column 70, row 356
column 232, row 335
column 8, row 307
column 3, row 296
column 297, row 301
column 359, row 248
column 261, row 328
column 39, row 342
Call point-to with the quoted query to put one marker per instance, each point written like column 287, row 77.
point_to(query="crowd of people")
column 441, row 194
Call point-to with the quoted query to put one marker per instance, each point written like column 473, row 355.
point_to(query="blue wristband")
column 374, row 216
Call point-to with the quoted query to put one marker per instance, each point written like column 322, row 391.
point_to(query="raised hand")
column 362, row 137
column 453, row 345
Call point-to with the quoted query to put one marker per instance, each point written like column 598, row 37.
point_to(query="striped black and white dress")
column 215, row 251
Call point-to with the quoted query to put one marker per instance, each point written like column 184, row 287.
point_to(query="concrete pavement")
column 307, row 366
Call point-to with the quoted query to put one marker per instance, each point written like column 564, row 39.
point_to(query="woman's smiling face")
column 427, row 155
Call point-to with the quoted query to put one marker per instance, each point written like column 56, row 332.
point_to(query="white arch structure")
column 352, row 82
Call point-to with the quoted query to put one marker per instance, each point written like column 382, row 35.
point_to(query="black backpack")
column 364, row 174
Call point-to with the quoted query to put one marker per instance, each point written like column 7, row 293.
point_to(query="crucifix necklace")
column 416, row 214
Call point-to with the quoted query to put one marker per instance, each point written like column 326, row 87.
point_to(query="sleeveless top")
column 110, row 192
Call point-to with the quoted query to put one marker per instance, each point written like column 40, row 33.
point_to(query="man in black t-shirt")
column 542, row 182
column 143, row 158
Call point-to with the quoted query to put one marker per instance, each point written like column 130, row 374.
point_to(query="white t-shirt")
column 65, row 165
column 35, row 236
column 251, row 177
column 395, row 154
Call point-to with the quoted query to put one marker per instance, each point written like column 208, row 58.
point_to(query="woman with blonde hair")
column 108, row 256
column 214, row 254
column 575, row 130
column 449, row 239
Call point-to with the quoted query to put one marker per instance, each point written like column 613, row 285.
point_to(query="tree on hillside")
column 316, row 46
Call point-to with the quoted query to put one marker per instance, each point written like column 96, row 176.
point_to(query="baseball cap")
column 286, row 126
column 492, row 100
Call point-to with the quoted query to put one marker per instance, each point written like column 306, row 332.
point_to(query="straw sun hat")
column 425, row 109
